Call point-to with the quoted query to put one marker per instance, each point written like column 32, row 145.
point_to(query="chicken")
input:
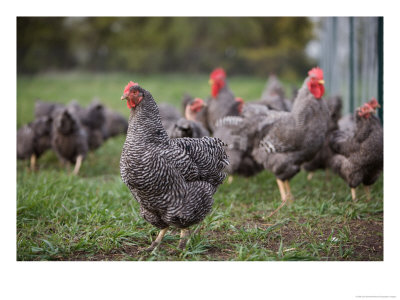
column 239, row 133
column 273, row 95
column 34, row 139
column 222, row 103
column 347, row 125
column 322, row 159
column 288, row 139
column 359, row 158
column 45, row 108
column 172, row 179
column 68, row 138
column 114, row 124
column 198, row 114
column 188, row 126
column 169, row 115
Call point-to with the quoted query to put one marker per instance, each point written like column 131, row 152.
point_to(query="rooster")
column 222, row 102
column 288, row 139
column 359, row 157
column 172, row 179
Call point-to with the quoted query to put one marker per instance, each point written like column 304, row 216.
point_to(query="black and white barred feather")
column 172, row 179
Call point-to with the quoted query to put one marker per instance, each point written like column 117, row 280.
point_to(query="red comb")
column 316, row 72
column 373, row 102
column 128, row 86
column 218, row 73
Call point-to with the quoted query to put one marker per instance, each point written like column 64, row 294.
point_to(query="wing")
column 201, row 159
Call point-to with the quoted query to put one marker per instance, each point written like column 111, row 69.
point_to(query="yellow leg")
column 183, row 240
column 33, row 162
column 310, row 176
column 353, row 194
column 281, row 187
column 230, row 179
column 288, row 191
column 78, row 164
column 158, row 240
column 367, row 192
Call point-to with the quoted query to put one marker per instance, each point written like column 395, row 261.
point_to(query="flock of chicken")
column 173, row 164
column 69, row 130
column 173, row 167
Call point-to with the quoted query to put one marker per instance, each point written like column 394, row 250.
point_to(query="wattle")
column 317, row 90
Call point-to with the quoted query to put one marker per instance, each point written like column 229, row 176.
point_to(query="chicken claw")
column 157, row 241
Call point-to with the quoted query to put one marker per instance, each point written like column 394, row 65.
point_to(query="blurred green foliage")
column 242, row 45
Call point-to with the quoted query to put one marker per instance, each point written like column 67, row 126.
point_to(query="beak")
column 321, row 81
column 205, row 104
column 378, row 106
column 124, row 96
column 211, row 82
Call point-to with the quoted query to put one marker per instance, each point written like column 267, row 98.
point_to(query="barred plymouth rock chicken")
column 188, row 126
column 198, row 114
column 169, row 115
column 288, row 139
column 222, row 103
column 114, row 124
column 273, row 95
column 68, row 138
column 322, row 159
column 172, row 179
column 359, row 158
column 239, row 133
column 34, row 139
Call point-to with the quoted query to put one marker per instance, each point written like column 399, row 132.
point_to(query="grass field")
column 93, row 216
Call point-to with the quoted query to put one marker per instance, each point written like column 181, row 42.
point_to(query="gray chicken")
column 34, row 139
column 322, row 159
column 46, row 108
column 68, row 138
column 169, row 115
column 288, row 139
column 198, row 110
column 359, row 158
column 189, row 126
column 114, row 124
column 238, row 133
column 172, row 179
column 223, row 102
column 273, row 95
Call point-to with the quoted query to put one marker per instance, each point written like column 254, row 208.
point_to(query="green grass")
column 93, row 216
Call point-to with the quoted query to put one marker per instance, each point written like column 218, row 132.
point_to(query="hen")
column 222, row 103
column 273, row 95
column 68, row 138
column 322, row 159
column 189, row 126
column 288, row 139
column 359, row 158
column 33, row 139
column 114, row 124
column 172, row 179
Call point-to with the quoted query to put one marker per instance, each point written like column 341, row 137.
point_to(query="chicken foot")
column 183, row 240
column 288, row 191
column 353, row 194
column 281, row 186
column 33, row 162
column 310, row 176
column 78, row 164
column 157, row 241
